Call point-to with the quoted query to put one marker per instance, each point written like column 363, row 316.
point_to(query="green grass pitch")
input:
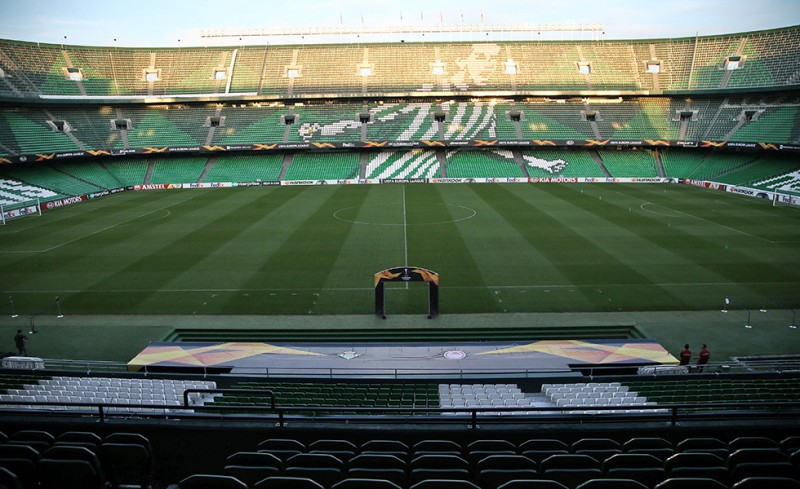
column 313, row 250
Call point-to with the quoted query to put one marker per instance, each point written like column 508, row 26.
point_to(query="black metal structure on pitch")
column 407, row 274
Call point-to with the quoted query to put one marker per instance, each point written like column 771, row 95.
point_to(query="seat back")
column 365, row 484
column 127, row 463
column 68, row 474
column 693, row 459
column 9, row 480
column 767, row 482
column 690, row 483
column 251, row 474
column 315, row 460
column 506, row 462
column 612, row 484
column 533, row 484
column 377, row 460
column 254, row 459
column 284, row 482
column 631, row 460
column 438, row 462
column 209, row 481
column 569, row 461
column 444, row 484
column 281, row 444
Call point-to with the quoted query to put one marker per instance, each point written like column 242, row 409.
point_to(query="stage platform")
column 407, row 358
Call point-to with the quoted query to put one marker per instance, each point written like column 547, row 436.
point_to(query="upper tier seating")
column 28, row 130
column 767, row 60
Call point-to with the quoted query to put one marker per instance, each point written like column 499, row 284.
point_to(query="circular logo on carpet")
column 455, row 355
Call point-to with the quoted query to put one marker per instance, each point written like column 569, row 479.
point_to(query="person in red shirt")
column 686, row 355
column 703, row 357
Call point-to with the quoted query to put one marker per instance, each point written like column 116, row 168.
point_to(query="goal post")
column 784, row 200
column 17, row 210
column 407, row 274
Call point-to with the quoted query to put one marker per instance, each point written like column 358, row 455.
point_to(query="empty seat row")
column 37, row 459
column 208, row 481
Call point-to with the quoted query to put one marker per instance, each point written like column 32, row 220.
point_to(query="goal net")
column 20, row 209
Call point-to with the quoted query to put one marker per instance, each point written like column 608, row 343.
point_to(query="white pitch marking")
column 405, row 232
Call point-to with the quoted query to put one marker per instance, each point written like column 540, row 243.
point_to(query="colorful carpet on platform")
column 551, row 355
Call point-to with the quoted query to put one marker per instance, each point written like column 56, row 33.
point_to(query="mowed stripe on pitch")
column 443, row 248
column 705, row 250
column 193, row 232
column 304, row 259
column 577, row 257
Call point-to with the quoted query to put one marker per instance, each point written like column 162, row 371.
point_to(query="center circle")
column 408, row 214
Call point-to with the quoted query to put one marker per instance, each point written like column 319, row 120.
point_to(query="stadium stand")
column 86, row 429
column 629, row 163
column 545, row 163
column 34, row 130
column 13, row 192
column 476, row 164
column 245, row 168
column 403, row 164
column 180, row 170
column 91, row 172
column 336, row 122
column 323, row 166
column 251, row 125
column 51, row 178
column 688, row 64
column 128, row 171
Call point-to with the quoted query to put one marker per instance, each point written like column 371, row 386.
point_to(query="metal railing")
column 88, row 367
column 280, row 415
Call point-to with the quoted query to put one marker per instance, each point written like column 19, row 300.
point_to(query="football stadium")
column 402, row 265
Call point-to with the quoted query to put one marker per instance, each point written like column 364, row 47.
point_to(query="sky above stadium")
column 179, row 22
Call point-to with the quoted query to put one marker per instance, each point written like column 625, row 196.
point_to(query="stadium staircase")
column 151, row 162
column 212, row 160
column 287, row 162
column 599, row 160
column 441, row 157
column 659, row 164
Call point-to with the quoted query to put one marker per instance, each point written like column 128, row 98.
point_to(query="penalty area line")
column 100, row 230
